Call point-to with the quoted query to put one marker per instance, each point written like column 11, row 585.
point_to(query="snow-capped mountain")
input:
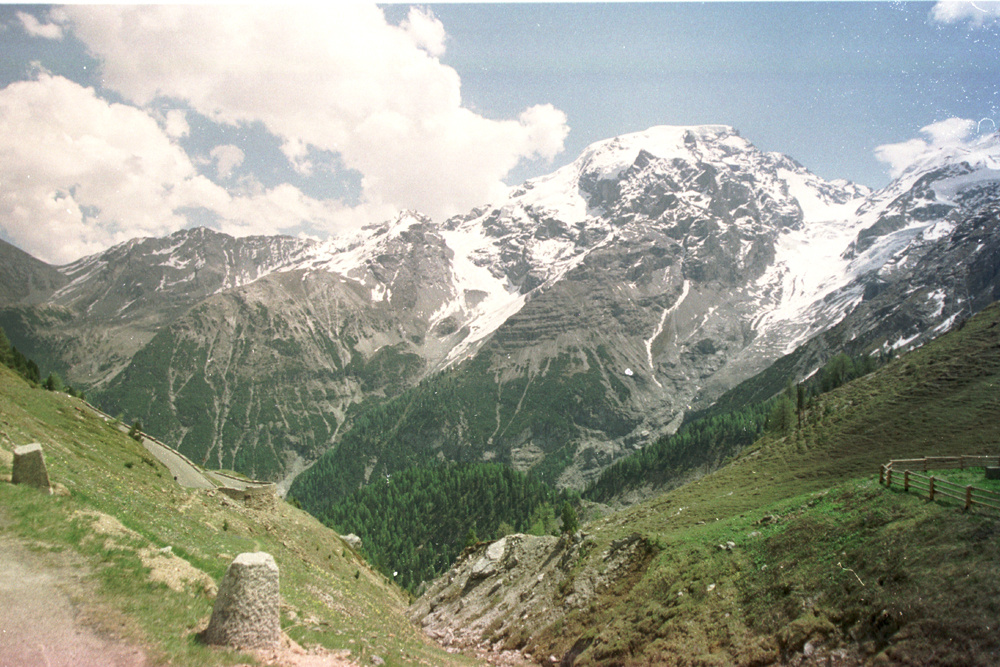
column 580, row 316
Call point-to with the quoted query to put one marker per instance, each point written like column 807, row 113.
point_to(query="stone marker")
column 29, row 467
column 246, row 609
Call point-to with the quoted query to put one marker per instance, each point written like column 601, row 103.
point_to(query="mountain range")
column 582, row 316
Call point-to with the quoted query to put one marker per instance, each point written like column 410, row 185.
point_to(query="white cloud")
column 949, row 132
column 338, row 79
column 979, row 14
column 36, row 28
column 175, row 123
column 427, row 32
column 943, row 135
column 227, row 158
column 80, row 174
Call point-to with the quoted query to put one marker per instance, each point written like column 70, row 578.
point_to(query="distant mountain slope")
column 669, row 311
column 792, row 554
column 584, row 314
column 24, row 279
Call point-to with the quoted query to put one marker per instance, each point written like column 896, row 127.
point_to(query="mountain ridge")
column 693, row 258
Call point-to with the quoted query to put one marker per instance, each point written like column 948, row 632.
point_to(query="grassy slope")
column 330, row 597
column 848, row 565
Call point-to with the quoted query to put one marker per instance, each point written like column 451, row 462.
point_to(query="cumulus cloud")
column 175, row 123
column 426, row 31
column 338, row 79
column 36, row 28
column 943, row 135
column 226, row 158
column 978, row 14
column 80, row 174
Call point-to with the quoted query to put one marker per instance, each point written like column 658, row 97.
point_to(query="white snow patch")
column 946, row 324
column 903, row 342
column 659, row 329
column 608, row 159
column 167, row 251
column 816, row 207
column 938, row 230
column 937, row 296
column 947, row 188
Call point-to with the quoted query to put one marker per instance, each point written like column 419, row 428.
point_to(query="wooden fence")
column 931, row 487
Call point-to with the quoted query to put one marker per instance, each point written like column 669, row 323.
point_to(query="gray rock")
column 29, row 467
column 352, row 540
column 246, row 612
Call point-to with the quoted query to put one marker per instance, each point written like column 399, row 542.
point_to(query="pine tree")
column 136, row 431
column 569, row 522
column 53, row 382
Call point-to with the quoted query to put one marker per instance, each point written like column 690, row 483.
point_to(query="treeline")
column 705, row 442
column 28, row 369
column 414, row 523
column 20, row 364
column 708, row 441
column 790, row 406
column 465, row 412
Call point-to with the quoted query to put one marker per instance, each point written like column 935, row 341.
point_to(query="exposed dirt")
column 290, row 654
column 43, row 622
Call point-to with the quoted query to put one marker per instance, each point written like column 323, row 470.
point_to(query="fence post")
column 906, row 480
column 881, row 474
column 968, row 497
column 888, row 477
column 925, row 464
column 961, row 462
column 932, row 488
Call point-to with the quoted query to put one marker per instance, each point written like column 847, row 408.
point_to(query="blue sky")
column 119, row 121
column 823, row 82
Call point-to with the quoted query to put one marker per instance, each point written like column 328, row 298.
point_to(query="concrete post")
column 29, row 467
column 246, row 612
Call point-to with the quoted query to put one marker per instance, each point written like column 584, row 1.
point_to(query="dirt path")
column 39, row 624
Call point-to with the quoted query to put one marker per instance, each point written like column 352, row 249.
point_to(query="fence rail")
column 932, row 487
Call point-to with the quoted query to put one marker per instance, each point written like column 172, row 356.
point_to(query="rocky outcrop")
column 498, row 596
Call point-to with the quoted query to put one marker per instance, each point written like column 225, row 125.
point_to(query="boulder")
column 246, row 612
column 353, row 541
column 29, row 467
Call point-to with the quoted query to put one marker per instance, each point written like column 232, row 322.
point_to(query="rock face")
column 29, row 467
column 246, row 612
column 499, row 596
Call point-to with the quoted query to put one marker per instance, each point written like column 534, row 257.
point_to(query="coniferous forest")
column 415, row 522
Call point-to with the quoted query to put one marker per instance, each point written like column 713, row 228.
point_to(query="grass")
column 825, row 560
column 119, row 504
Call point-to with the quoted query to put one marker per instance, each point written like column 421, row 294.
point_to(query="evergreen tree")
column 569, row 523
column 53, row 382
column 136, row 431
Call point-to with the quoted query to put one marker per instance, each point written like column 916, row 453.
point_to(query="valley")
column 790, row 552
column 702, row 349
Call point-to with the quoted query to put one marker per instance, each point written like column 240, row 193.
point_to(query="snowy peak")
column 981, row 153
column 172, row 271
column 607, row 159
